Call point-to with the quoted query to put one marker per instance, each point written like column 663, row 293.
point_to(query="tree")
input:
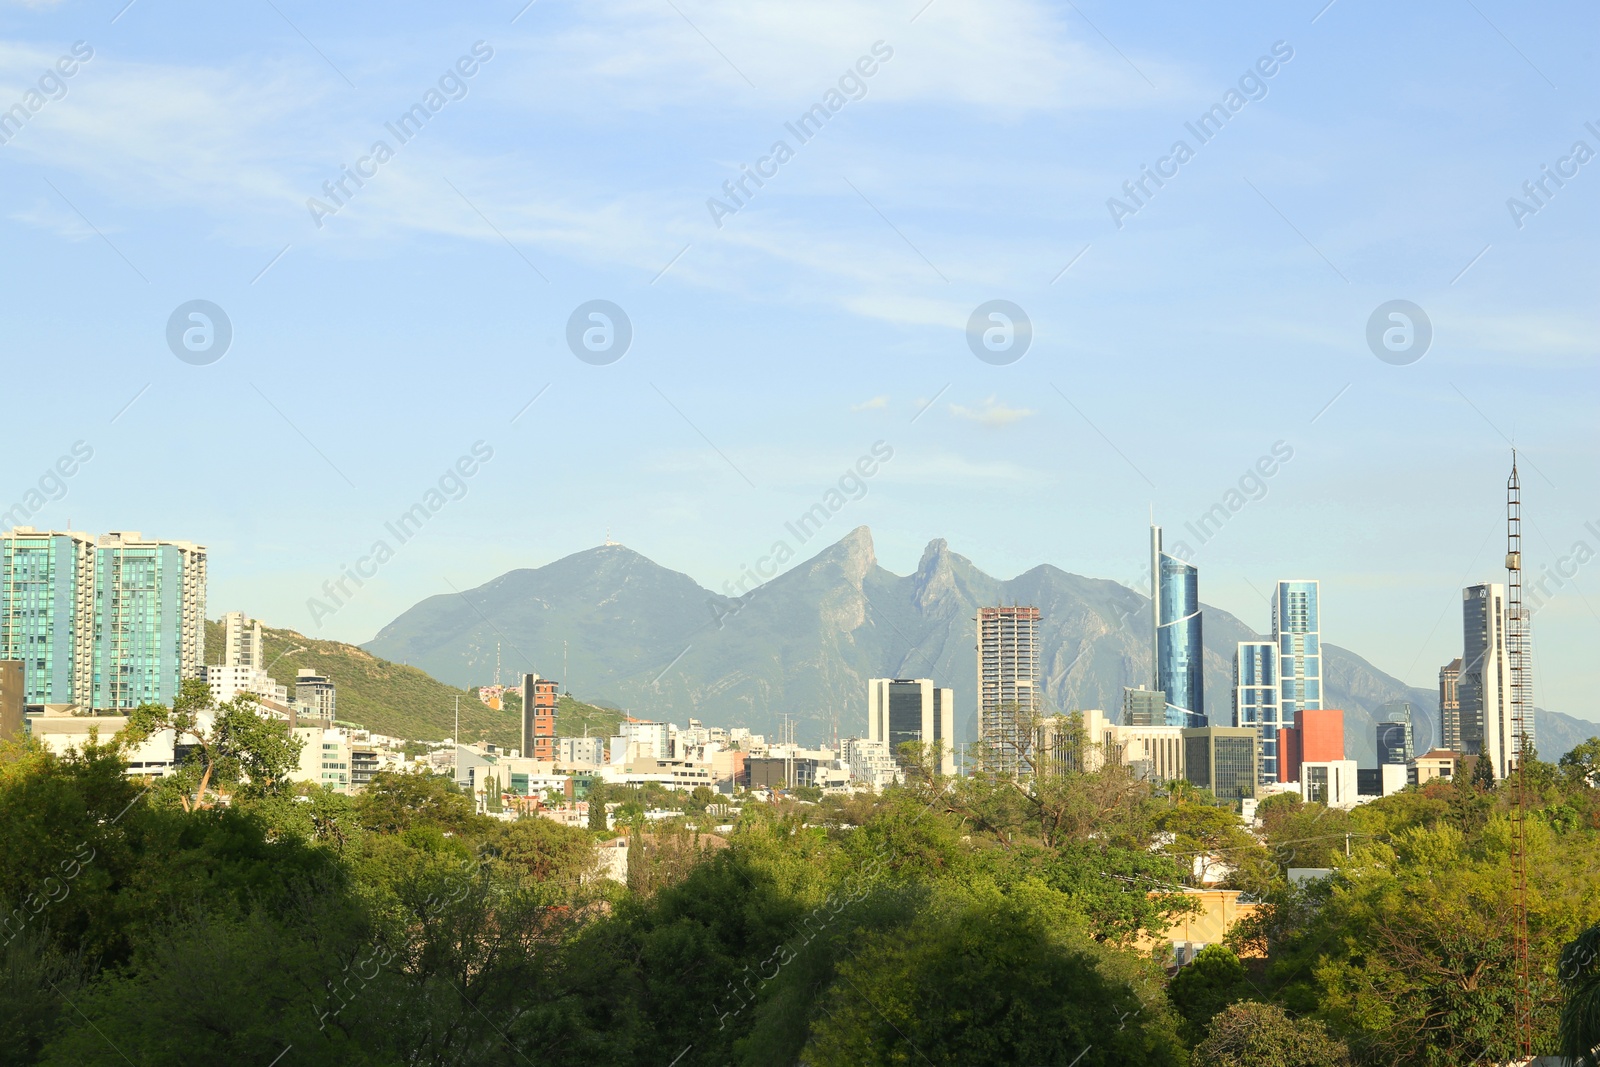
column 1214, row 980
column 395, row 802
column 260, row 752
column 1249, row 1034
column 1581, row 765
column 1206, row 838
column 597, row 804
column 240, row 749
column 1483, row 774
column 1580, row 1009
column 184, row 720
column 982, row 981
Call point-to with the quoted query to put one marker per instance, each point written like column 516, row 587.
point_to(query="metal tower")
column 1521, row 669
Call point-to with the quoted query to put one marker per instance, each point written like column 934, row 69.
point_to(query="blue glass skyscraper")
column 1274, row 680
column 1298, row 632
column 1255, row 699
column 1175, row 609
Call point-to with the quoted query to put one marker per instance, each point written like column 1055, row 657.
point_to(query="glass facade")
column 1395, row 741
column 1144, row 707
column 905, row 715
column 1255, row 699
column 1180, row 667
column 138, row 624
column 1223, row 759
column 1298, row 633
column 46, row 585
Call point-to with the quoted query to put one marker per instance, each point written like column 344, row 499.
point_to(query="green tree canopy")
column 1250, row 1034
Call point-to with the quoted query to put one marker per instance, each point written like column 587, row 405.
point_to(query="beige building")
column 1220, row 910
column 1438, row 763
column 1154, row 752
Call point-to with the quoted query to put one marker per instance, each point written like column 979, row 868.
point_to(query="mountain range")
column 801, row 646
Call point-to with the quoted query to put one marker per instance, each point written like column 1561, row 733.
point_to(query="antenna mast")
column 1517, row 656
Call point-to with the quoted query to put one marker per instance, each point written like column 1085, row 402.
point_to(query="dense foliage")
column 968, row 922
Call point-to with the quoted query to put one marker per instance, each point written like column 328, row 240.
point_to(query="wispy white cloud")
column 992, row 413
column 877, row 403
column 56, row 218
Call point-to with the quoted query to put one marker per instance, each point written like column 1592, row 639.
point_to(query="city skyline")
column 369, row 353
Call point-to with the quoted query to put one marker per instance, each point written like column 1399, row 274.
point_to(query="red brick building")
column 539, row 717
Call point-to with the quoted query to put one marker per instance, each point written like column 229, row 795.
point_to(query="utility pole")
column 456, row 741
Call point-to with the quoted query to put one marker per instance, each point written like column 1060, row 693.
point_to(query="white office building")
column 580, row 751
column 1332, row 783
column 913, row 709
column 227, row 682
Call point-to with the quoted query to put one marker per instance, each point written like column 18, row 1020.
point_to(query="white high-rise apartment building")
column 241, row 642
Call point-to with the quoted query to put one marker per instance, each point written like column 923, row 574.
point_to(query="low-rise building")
column 1330, row 782
column 1436, row 763
column 583, row 752
column 324, row 757
column 870, row 764
column 314, row 693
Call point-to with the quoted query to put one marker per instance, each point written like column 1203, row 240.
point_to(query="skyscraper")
column 1450, row 704
column 1175, row 616
column 47, row 613
column 241, row 641
column 1298, row 634
column 1484, row 691
column 913, row 709
column 1009, row 700
column 1274, row 680
column 1255, row 699
column 149, row 618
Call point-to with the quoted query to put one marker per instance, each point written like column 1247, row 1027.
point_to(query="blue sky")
column 829, row 312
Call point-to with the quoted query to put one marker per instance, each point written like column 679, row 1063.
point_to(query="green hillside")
column 401, row 701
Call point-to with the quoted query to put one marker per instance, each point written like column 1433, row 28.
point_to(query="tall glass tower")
column 47, row 613
column 1298, row 633
column 1255, row 699
column 149, row 619
column 1175, row 610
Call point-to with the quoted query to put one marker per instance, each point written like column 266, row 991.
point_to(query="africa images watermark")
column 1252, row 85
column 51, row 85
column 852, row 485
column 451, row 485
column 1538, row 190
column 452, row 85
column 51, row 485
column 852, row 85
